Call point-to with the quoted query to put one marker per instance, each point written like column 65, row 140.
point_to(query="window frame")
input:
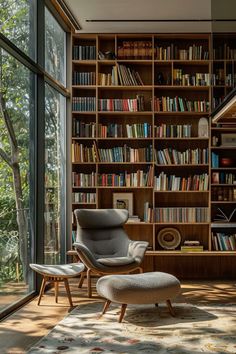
column 38, row 133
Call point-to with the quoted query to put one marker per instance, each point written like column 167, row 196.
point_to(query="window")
column 16, row 120
column 55, row 40
column 17, row 23
column 54, row 160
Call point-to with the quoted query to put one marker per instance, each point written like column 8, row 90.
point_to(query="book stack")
column 191, row 246
column 133, row 219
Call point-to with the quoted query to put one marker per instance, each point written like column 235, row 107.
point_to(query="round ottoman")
column 56, row 273
column 144, row 288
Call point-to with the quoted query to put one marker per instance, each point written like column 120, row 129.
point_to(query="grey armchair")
column 103, row 245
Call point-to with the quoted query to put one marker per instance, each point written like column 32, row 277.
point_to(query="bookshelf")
column 137, row 103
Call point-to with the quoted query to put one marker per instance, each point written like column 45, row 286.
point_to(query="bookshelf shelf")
column 178, row 67
column 124, row 88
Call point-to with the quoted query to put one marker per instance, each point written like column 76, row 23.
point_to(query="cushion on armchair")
column 116, row 261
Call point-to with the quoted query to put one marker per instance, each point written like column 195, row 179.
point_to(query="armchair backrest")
column 101, row 230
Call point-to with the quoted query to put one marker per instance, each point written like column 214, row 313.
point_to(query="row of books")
column 84, row 197
column 122, row 104
column 162, row 104
column 111, row 130
column 192, row 52
column 224, row 52
column 218, row 78
column 223, row 242
column 169, row 156
column 183, row 214
column 179, row 104
column 165, row 182
column 82, row 129
column 230, row 79
column 84, row 78
column 186, row 79
column 139, row 130
column 84, row 104
column 223, row 178
column 84, row 179
column 139, row 178
column 125, row 154
column 84, row 52
column 126, row 179
column 128, row 76
column 120, row 75
column 135, row 50
column 216, row 101
column 83, row 153
column 173, row 131
column 223, row 193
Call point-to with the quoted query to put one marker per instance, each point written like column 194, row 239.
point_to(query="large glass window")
column 16, row 120
column 17, row 23
column 54, row 162
column 55, row 44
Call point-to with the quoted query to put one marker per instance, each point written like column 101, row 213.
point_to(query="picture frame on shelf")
column 228, row 139
column 123, row 201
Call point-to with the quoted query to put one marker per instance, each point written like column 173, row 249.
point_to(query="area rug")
column 145, row 329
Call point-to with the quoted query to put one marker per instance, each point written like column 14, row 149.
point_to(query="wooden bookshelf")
column 125, row 131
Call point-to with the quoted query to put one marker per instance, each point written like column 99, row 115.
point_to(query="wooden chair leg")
column 140, row 270
column 68, row 291
column 42, row 290
column 89, row 283
column 106, row 306
column 56, row 290
column 81, row 281
column 122, row 313
column 171, row 310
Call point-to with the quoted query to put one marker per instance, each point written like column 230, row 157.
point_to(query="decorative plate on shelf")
column 169, row 238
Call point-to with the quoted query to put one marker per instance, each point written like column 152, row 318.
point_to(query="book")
column 222, row 217
column 191, row 243
column 198, row 248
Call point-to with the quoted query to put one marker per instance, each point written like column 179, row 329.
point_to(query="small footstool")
column 57, row 273
column 144, row 288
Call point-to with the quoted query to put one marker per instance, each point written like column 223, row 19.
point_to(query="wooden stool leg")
column 42, row 290
column 56, row 290
column 82, row 276
column 89, row 283
column 171, row 310
column 123, row 309
column 106, row 306
column 68, row 291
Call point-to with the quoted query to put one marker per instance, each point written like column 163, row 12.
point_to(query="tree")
column 14, row 124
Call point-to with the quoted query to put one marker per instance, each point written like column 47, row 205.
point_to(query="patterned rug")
column 145, row 329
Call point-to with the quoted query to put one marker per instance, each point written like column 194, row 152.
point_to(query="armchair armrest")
column 85, row 254
column 137, row 250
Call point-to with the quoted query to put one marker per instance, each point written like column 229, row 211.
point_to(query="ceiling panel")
column 141, row 10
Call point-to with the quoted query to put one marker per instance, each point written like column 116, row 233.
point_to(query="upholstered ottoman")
column 56, row 273
column 144, row 288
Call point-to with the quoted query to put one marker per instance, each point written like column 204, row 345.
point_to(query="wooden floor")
column 26, row 326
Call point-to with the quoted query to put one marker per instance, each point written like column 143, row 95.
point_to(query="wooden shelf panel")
column 197, row 254
column 125, row 88
column 182, row 191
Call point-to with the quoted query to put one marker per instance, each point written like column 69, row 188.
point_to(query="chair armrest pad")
column 85, row 253
column 137, row 250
